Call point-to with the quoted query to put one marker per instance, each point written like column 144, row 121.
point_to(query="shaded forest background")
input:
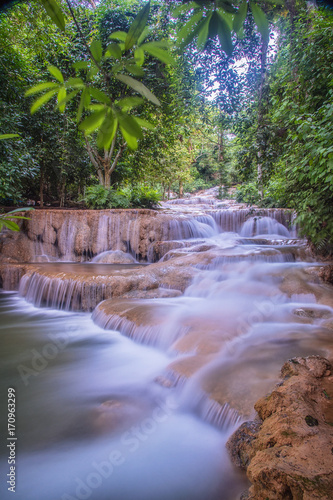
column 256, row 115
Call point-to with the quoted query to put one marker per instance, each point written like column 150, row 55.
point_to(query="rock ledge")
column 288, row 450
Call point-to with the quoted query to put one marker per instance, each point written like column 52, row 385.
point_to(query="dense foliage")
column 149, row 99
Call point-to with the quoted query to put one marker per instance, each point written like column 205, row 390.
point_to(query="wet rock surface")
column 288, row 452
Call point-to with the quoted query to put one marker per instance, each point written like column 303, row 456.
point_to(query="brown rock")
column 290, row 456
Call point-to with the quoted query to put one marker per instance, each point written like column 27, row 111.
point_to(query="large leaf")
column 130, row 102
column 184, row 8
column 9, row 224
column 81, row 65
column 144, row 35
column 143, row 123
column 96, row 50
column 139, row 56
column 66, row 99
column 56, row 73
column 134, row 69
column 118, row 35
column 61, row 97
column 203, row 33
column 99, row 95
column 224, row 35
column 128, row 123
column 261, row 20
column 160, row 54
column 107, row 131
column 191, row 35
column 40, row 87
column 137, row 27
column 131, row 141
column 113, row 50
column 138, row 87
column 55, row 13
column 76, row 83
column 188, row 27
column 240, row 16
column 93, row 121
column 42, row 100
column 8, row 136
column 23, row 209
column 227, row 6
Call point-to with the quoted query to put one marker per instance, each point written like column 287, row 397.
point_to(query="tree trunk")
column 181, row 189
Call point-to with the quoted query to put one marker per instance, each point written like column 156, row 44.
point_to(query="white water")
column 94, row 420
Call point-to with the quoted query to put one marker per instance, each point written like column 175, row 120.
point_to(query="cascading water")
column 137, row 401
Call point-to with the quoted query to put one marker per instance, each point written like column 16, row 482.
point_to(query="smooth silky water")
column 93, row 419
column 91, row 423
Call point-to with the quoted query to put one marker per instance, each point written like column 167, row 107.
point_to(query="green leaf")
column 81, row 65
column 56, row 73
column 261, row 20
column 8, row 136
column 96, row 50
column 224, row 35
column 128, row 123
column 134, row 69
column 143, row 123
column 61, row 96
column 68, row 98
column 138, row 87
column 131, row 141
column 23, row 209
column 186, row 30
column 203, row 33
column 99, row 95
column 184, row 8
column 144, row 35
column 227, row 6
column 113, row 50
column 93, row 121
column 130, row 102
column 240, row 17
column 160, row 54
column 137, row 27
column 42, row 100
column 75, row 83
column 40, row 87
column 118, row 35
column 55, row 13
column 107, row 131
column 9, row 224
column 213, row 25
column 96, row 107
column 139, row 56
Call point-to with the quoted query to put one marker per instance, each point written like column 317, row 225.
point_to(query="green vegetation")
column 158, row 97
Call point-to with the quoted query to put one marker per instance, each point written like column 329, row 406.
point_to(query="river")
column 112, row 415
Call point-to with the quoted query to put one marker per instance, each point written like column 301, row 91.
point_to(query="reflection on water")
column 91, row 422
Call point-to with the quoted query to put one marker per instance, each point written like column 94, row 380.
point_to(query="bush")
column 247, row 193
column 145, row 197
column 98, row 197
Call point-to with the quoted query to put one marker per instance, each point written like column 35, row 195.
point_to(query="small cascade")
column 161, row 335
column 260, row 226
column 114, row 257
column 62, row 293
column 183, row 228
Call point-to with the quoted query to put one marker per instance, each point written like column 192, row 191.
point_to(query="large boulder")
column 288, row 452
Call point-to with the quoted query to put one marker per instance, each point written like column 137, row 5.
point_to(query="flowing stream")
column 133, row 413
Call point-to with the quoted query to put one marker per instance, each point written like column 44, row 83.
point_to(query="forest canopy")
column 118, row 104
